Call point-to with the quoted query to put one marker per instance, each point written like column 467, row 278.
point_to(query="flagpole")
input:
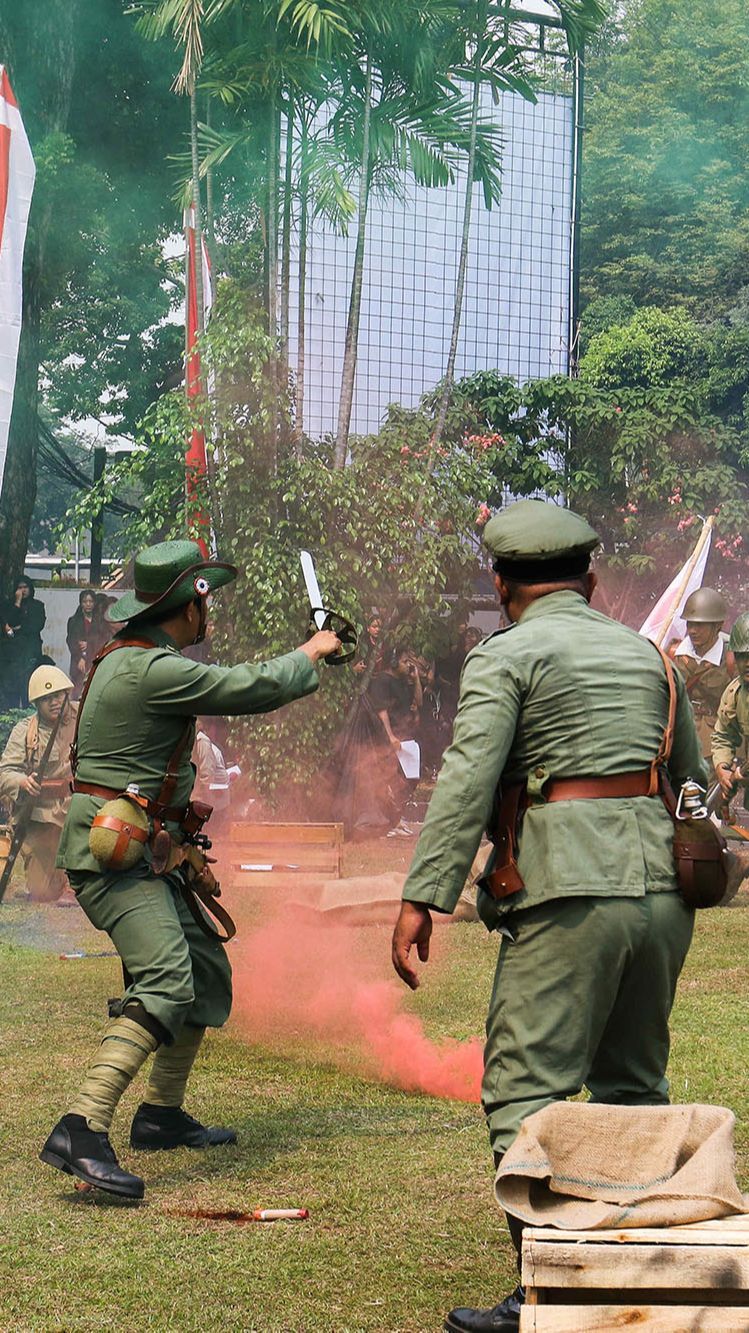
column 689, row 569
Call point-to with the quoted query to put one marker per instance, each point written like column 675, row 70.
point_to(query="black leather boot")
column 155, row 1128
column 79, row 1151
column 502, row 1318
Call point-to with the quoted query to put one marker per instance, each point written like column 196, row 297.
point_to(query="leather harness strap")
column 173, row 813
column 505, row 878
column 160, row 808
column 595, row 788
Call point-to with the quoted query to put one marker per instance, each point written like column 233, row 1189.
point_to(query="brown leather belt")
column 599, row 788
column 174, row 813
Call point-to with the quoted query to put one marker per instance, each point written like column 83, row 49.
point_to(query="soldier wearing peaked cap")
column 132, row 785
column 560, row 720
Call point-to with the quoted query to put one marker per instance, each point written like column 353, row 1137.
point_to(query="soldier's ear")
column 502, row 589
column 591, row 580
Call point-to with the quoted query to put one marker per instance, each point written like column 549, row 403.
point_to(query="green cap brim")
column 131, row 606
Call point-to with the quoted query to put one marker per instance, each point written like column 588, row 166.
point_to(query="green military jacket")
column 135, row 712
column 732, row 726
column 565, row 692
column 22, row 755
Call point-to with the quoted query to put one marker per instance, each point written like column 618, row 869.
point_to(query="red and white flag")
column 17, row 173
column 665, row 622
column 195, row 456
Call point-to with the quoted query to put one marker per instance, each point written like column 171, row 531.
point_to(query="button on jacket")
column 566, row 692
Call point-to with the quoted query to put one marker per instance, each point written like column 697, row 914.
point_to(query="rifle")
column 27, row 809
column 715, row 800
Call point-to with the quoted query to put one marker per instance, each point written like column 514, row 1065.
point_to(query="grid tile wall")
column 516, row 303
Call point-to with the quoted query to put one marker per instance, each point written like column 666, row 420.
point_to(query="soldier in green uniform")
column 731, row 730
column 594, row 933
column 704, row 659
column 136, row 726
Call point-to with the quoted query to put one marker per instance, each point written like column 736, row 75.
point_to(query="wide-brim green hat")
column 166, row 577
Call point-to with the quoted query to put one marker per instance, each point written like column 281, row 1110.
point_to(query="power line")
column 54, row 460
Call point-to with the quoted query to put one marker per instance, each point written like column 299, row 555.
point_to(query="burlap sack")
column 580, row 1166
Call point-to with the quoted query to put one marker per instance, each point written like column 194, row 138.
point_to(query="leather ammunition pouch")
column 701, row 858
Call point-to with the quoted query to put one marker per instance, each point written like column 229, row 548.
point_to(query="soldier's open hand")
column 414, row 926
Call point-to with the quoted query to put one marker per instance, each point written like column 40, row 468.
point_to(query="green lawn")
column 402, row 1224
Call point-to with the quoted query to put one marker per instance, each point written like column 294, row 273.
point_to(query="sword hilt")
column 344, row 628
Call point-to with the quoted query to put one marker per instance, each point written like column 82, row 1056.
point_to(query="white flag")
column 665, row 622
column 16, row 186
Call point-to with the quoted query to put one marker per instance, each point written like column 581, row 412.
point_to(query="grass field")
column 402, row 1225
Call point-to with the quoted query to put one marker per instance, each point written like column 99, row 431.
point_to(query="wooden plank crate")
column 264, row 854
column 667, row 1279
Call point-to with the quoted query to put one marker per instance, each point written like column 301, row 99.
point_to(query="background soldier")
column 704, row 659
column 731, row 730
column 49, row 692
column 567, row 709
column 136, row 726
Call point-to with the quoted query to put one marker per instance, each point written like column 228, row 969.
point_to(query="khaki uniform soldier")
column 136, row 730
column 566, row 710
column 731, row 731
column 49, row 692
column 704, row 659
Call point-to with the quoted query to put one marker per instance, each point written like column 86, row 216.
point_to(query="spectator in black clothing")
column 370, row 645
column 396, row 696
column 80, row 627
column 22, row 620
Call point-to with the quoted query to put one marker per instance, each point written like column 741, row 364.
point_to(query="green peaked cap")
column 166, row 577
column 531, row 539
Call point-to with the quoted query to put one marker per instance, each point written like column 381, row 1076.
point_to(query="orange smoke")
column 331, row 984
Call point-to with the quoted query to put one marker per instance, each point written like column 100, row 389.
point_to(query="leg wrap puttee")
column 171, row 1069
column 124, row 1048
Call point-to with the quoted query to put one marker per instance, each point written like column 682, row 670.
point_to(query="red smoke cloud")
column 331, row 983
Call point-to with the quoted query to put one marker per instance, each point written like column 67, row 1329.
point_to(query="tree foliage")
column 666, row 198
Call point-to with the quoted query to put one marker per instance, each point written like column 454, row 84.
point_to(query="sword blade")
column 313, row 587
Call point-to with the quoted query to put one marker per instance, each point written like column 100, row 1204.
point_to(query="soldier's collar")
column 550, row 602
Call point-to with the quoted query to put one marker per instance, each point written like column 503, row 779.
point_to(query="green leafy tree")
column 666, row 170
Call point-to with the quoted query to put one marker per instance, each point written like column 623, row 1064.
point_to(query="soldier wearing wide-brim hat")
column 136, row 729
column 730, row 736
column 582, row 878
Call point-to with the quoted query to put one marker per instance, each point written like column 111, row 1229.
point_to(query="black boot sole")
column 122, row 1191
column 508, row 1327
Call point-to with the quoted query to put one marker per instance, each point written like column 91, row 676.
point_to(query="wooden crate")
column 265, row 854
column 666, row 1279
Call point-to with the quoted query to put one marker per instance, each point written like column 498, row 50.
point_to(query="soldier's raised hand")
column 321, row 644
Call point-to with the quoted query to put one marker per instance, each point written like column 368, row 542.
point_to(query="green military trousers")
column 582, row 997
column 178, row 974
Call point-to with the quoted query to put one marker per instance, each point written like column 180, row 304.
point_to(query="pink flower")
column 404, row 450
column 483, row 514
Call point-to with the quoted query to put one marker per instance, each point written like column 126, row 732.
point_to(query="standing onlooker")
column 101, row 630
column 23, row 620
column 370, row 645
column 80, row 626
column 396, row 696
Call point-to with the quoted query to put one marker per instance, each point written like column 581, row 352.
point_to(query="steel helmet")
column 738, row 640
column 705, row 606
column 47, row 680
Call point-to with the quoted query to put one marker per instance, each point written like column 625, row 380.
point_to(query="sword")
column 321, row 617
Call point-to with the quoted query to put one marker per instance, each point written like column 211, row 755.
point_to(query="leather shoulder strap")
column 105, row 651
column 32, row 739
column 667, row 739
